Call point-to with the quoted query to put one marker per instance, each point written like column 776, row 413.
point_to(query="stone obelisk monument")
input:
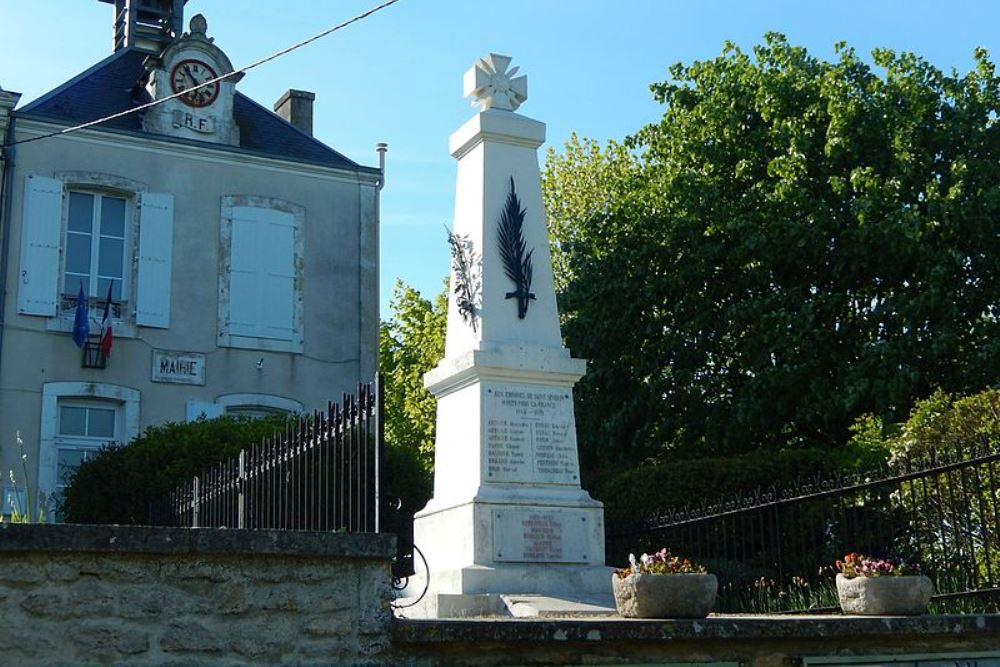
column 508, row 518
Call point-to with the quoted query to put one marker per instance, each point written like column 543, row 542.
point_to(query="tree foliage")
column 410, row 344
column 795, row 243
column 941, row 424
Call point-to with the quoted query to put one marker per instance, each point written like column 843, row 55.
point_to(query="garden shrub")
column 124, row 482
column 664, row 484
column 120, row 484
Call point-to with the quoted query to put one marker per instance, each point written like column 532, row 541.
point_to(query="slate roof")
column 112, row 86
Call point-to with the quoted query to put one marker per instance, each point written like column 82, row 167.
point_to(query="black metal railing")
column 941, row 511
column 324, row 472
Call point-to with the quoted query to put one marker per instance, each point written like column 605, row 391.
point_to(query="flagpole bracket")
column 92, row 355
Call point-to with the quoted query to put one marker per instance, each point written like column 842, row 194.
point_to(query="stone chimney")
column 296, row 106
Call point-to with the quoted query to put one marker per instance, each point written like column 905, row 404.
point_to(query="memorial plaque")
column 530, row 434
column 540, row 536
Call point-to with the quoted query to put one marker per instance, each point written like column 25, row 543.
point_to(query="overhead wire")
column 210, row 82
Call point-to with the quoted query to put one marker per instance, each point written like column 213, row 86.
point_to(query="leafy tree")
column 798, row 242
column 410, row 344
column 583, row 182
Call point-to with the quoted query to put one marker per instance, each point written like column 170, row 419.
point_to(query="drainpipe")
column 8, row 101
column 381, row 148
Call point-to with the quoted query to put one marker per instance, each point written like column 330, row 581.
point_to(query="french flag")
column 106, row 334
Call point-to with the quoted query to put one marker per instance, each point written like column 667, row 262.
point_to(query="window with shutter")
column 80, row 231
column 260, row 299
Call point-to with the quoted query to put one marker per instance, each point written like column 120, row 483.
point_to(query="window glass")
column 101, row 423
column 91, row 422
column 77, row 261
column 110, row 264
column 102, row 290
column 113, row 216
column 68, row 461
column 72, row 420
column 81, row 212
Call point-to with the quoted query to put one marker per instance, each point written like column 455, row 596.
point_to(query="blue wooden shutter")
column 278, row 279
column 156, row 242
column 41, row 232
column 262, row 273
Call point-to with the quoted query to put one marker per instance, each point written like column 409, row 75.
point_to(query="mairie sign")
column 179, row 367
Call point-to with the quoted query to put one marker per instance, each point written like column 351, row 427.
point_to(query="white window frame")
column 93, row 290
column 268, row 402
column 54, row 394
column 210, row 410
column 85, row 443
column 227, row 339
column 122, row 315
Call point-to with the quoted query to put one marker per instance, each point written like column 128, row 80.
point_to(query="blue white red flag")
column 81, row 323
column 106, row 334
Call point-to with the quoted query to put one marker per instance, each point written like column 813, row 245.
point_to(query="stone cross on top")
column 492, row 86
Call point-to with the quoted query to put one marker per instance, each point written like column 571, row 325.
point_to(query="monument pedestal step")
column 494, row 605
column 533, row 590
column 542, row 606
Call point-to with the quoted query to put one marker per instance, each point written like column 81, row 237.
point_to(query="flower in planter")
column 858, row 565
column 875, row 586
column 661, row 562
column 640, row 593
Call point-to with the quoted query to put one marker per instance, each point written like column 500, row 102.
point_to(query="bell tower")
column 147, row 25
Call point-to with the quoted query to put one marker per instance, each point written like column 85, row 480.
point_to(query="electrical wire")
column 210, row 82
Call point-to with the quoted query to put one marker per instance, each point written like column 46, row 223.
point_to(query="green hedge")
column 663, row 484
column 120, row 483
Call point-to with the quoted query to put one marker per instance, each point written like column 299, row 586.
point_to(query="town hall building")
column 240, row 252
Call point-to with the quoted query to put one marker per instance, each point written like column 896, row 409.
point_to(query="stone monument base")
column 486, row 558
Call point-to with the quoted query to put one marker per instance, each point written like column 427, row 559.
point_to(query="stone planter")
column 884, row 596
column 664, row 595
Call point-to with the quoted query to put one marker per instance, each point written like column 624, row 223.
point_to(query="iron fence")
column 324, row 472
column 941, row 511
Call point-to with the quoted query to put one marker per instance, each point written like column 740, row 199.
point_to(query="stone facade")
column 138, row 596
column 232, row 240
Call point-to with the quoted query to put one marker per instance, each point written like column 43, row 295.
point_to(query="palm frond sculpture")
column 514, row 253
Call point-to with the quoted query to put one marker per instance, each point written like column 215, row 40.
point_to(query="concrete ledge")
column 740, row 628
column 66, row 538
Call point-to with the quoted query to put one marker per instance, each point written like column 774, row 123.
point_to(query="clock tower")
column 204, row 109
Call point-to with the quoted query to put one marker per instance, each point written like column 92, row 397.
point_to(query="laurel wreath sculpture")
column 516, row 262
column 467, row 285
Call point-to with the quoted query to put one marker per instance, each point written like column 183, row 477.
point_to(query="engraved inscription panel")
column 539, row 536
column 530, row 434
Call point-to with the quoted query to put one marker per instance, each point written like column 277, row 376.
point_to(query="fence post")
column 379, row 449
column 241, row 487
column 195, row 501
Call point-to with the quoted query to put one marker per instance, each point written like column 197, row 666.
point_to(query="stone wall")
column 109, row 595
column 82, row 595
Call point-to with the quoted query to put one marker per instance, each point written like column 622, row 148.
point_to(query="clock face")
column 189, row 73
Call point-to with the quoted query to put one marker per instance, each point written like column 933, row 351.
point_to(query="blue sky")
column 397, row 76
